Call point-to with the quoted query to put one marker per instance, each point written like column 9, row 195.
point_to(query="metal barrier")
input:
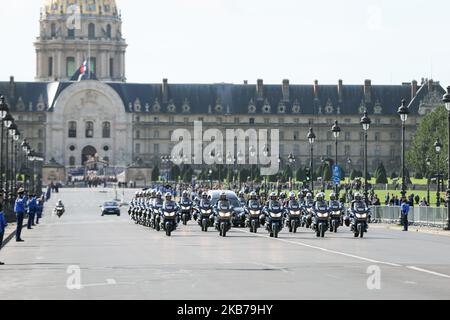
column 422, row 216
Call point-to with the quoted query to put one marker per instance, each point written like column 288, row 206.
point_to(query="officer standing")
column 405, row 211
column 19, row 209
column 3, row 223
column 32, row 206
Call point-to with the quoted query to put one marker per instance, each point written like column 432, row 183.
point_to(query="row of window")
column 73, row 160
column 89, row 129
column 237, row 120
column 91, row 31
column 71, row 66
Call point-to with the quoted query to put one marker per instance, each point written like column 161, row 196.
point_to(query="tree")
column 380, row 174
column 300, row 175
column 187, row 177
column 175, row 172
column 432, row 127
column 355, row 174
column 155, row 174
column 327, row 174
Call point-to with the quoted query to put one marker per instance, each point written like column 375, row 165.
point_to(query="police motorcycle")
column 185, row 208
column 307, row 211
column 156, row 207
column 336, row 213
column 136, row 213
column 224, row 213
column 253, row 212
column 274, row 213
column 321, row 215
column 169, row 215
column 131, row 210
column 150, row 196
column 204, row 213
column 59, row 209
column 293, row 213
column 359, row 215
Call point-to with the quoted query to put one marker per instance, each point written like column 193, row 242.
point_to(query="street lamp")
column 428, row 162
column 365, row 122
column 4, row 109
column 336, row 132
column 438, row 149
column 446, row 100
column 403, row 111
column 311, row 139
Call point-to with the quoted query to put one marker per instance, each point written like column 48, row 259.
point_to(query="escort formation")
column 222, row 210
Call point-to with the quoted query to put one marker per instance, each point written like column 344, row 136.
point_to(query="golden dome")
column 95, row 7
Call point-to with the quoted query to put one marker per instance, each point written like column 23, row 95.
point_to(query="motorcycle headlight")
column 225, row 214
column 275, row 215
column 361, row 215
column 336, row 213
column 322, row 215
column 206, row 211
column 186, row 208
column 295, row 213
column 169, row 214
column 254, row 212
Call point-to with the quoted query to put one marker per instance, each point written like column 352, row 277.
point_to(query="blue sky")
column 203, row 41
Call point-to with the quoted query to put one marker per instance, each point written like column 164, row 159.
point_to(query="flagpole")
column 89, row 59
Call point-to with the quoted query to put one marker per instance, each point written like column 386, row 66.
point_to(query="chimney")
column 316, row 89
column 165, row 91
column 285, row 90
column 245, row 82
column 414, row 89
column 260, row 89
column 12, row 87
column 340, row 89
column 368, row 91
column 430, row 85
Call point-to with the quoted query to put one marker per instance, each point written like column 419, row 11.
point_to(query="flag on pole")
column 82, row 70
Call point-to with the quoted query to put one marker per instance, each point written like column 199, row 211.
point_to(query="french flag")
column 82, row 70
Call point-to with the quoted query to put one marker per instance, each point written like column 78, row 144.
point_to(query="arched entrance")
column 87, row 153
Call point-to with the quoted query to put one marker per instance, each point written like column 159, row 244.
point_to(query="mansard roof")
column 222, row 99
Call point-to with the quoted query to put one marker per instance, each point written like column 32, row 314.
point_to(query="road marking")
column 326, row 250
column 429, row 272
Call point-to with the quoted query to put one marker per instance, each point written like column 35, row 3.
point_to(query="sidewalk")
column 429, row 230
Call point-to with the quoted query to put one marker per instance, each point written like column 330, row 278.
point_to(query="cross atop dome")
column 85, row 7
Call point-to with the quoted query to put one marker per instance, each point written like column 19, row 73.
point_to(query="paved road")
column 120, row 260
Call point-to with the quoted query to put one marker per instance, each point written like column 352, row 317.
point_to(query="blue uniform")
column 405, row 211
column 32, row 205
column 19, row 209
column 3, row 225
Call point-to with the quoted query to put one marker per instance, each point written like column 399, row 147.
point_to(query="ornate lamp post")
column 311, row 139
column 336, row 132
column 4, row 109
column 438, row 148
column 428, row 162
column 365, row 122
column 446, row 100
column 403, row 111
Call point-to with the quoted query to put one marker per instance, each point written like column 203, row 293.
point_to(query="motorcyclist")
column 169, row 204
column 291, row 203
column 253, row 203
column 283, row 198
column 334, row 203
column 241, row 198
column 358, row 202
column 223, row 202
column 186, row 201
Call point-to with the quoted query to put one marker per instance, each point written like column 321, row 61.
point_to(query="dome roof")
column 95, row 7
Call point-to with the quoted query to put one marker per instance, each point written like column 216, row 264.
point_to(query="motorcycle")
column 336, row 218
column 307, row 214
column 293, row 218
column 275, row 220
column 253, row 220
column 359, row 222
column 156, row 217
column 320, row 221
column 186, row 212
column 224, row 215
column 169, row 219
column 59, row 211
column 204, row 218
